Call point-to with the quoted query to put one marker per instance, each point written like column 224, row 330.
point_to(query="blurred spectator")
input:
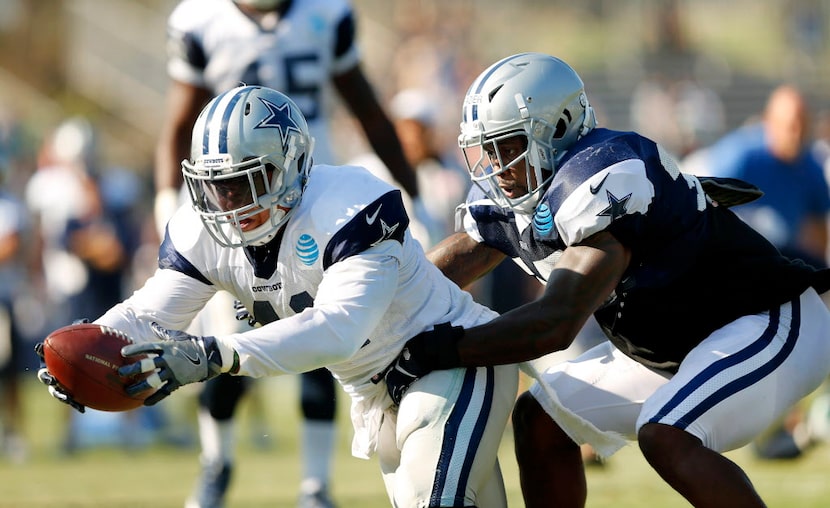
column 86, row 231
column 775, row 155
column 821, row 146
column 13, row 224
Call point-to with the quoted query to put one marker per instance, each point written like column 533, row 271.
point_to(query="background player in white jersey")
column 713, row 334
column 304, row 48
column 322, row 258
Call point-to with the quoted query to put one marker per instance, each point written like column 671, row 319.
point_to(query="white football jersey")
column 212, row 44
column 344, row 285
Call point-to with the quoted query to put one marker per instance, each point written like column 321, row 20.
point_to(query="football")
column 84, row 358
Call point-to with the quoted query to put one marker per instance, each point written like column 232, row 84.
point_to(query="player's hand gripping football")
column 431, row 350
column 179, row 359
column 45, row 377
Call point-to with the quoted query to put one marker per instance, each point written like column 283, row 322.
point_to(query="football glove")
column 242, row 313
column 176, row 360
column 431, row 350
column 51, row 383
column 45, row 377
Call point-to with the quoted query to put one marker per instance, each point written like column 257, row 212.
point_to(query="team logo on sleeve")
column 307, row 250
column 616, row 206
column 386, row 231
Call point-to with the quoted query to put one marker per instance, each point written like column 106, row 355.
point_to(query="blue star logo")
column 616, row 207
column 279, row 117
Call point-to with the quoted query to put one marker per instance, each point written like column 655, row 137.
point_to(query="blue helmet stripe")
column 478, row 85
column 223, row 128
column 206, row 132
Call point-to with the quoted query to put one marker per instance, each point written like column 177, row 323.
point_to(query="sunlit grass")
column 161, row 475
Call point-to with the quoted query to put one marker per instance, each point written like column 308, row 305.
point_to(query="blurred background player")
column 303, row 48
column 13, row 224
column 442, row 184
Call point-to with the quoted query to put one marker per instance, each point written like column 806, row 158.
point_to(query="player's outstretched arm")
column 583, row 278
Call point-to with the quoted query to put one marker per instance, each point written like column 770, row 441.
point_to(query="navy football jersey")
column 694, row 268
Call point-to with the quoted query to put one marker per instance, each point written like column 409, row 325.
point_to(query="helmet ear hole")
column 561, row 128
column 562, row 124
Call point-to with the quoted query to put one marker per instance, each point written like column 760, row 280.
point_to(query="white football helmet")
column 533, row 95
column 250, row 152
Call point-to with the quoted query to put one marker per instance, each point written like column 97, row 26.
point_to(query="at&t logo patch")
column 307, row 250
column 543, row 220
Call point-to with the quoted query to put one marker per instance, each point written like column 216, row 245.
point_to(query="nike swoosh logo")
column 370, row 219
column 194, row 361
column 595, row 188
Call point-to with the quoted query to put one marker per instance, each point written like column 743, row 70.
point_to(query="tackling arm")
column 464, row 260
column 583, row 278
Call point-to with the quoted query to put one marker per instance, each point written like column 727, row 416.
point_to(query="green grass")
column 161, row 476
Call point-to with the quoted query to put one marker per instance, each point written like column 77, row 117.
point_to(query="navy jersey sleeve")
column 172, row 259
column 383, row 219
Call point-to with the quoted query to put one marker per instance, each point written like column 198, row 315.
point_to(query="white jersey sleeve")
column 169, row 298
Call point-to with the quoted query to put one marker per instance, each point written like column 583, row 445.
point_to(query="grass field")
column 161, row 476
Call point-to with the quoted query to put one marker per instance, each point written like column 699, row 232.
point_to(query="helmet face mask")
column 489, row 160
column 250, row 157
column 531, row 94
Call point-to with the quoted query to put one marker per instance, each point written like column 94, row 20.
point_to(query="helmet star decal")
column 279, row 117
column 616, row 207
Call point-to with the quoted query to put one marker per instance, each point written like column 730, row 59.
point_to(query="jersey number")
column 293, row 66
column 305, row 92
column 264, row 312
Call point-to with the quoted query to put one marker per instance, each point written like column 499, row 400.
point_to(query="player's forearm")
column 584, row 277
column 463, row 260
column 517, row 336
